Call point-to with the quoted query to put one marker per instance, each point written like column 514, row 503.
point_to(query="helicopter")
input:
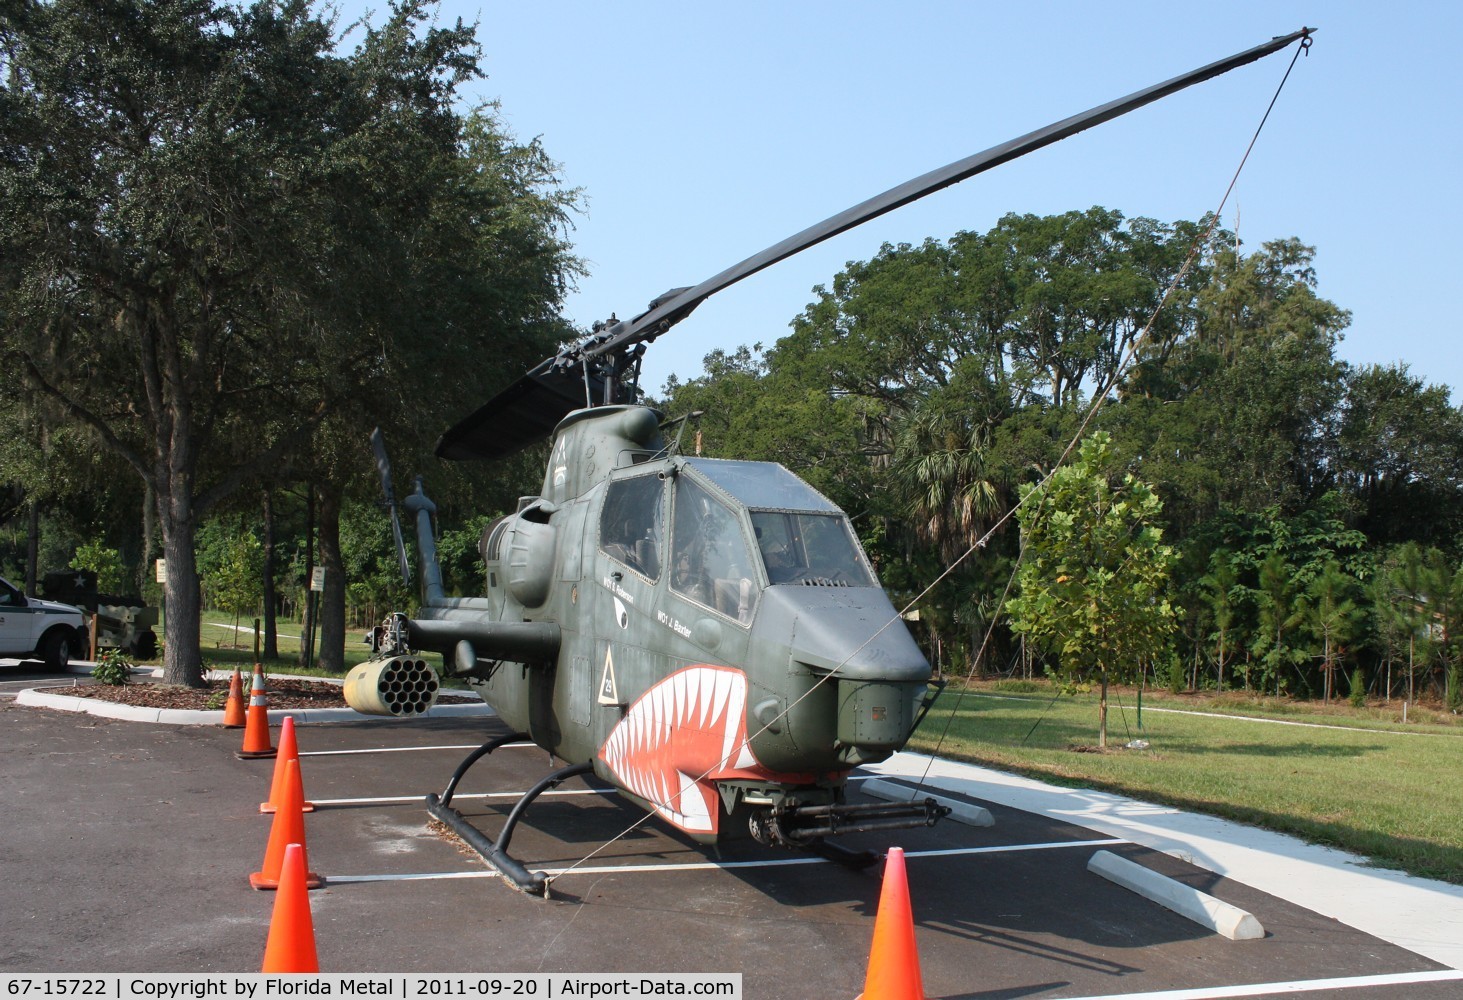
column 705, row 635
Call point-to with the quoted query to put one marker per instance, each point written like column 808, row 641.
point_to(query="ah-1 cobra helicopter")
column 705, row 635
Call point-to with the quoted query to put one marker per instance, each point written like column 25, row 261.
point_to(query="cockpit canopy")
column 735, row 528
column 809, row 549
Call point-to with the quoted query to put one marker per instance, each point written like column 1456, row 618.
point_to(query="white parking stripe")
column 389, row 799
column 394, row 799
column 423, row 876
column 715, row 865
column 1298, row 986
column 952, row 852
column 465, row 746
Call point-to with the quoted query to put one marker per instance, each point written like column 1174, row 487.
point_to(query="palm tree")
column 940, row 469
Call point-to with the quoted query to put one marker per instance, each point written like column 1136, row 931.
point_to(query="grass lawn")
column 225, row 647
column 222, row 643
column 1372, row 785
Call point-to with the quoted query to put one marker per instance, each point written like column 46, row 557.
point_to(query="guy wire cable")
column 1101, row 397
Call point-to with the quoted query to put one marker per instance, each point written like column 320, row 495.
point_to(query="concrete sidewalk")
column 1421, row 915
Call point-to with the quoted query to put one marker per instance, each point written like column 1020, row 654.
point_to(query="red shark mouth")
column 681, row 737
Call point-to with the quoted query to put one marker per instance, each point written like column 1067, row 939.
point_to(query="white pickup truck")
column 32, row 629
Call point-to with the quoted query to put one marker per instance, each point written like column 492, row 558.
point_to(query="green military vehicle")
column 122, row 621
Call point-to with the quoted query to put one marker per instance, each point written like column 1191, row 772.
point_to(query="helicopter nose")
column 858, row 637
column 859, row 674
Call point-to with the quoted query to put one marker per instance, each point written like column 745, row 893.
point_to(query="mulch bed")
column 282, row 693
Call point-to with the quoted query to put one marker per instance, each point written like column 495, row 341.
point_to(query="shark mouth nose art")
column 681, row 737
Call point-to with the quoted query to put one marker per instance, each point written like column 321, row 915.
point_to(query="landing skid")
column 802, row 828
column 496, row 854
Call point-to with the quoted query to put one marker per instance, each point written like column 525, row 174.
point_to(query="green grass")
column 223, row 647
column 221, row 644
column 1374, row 787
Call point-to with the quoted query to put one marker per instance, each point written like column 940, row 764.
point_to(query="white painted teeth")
column 680, row 730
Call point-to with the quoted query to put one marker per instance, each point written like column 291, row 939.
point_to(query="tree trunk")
column 32, row 548
column 307, row 619
column 1102, row 711
column 271, row 630
column 177, row 521
column 145, row 572
column 182, row 658
column 1278, row 665
column 1326, row 660
column 332, row 600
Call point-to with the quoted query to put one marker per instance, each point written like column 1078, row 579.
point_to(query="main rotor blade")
column 383, row 466
column 522, row 414
column 663, row 316
column 530, row 408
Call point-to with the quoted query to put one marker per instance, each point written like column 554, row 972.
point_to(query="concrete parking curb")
column 1224, row 919
column 960, row 810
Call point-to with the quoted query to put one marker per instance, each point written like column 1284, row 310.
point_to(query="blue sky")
column 704, row 132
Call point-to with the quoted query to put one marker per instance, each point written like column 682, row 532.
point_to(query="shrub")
column 1018, row 685
column 106, row 563
column 1173, row 675
column 1358, row 689
column 112, row 667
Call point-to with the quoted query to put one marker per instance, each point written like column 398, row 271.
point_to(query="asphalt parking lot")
column 128, row 848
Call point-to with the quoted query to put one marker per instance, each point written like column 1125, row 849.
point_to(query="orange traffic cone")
column 288, row 828
column 287, row 752
column 291, row 944
column 234, row 707
column 256, row 726
column 893, row 960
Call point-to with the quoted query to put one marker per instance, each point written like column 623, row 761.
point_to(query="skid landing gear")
column 496, row 854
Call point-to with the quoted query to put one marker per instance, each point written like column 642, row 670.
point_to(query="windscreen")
column 810, row 549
